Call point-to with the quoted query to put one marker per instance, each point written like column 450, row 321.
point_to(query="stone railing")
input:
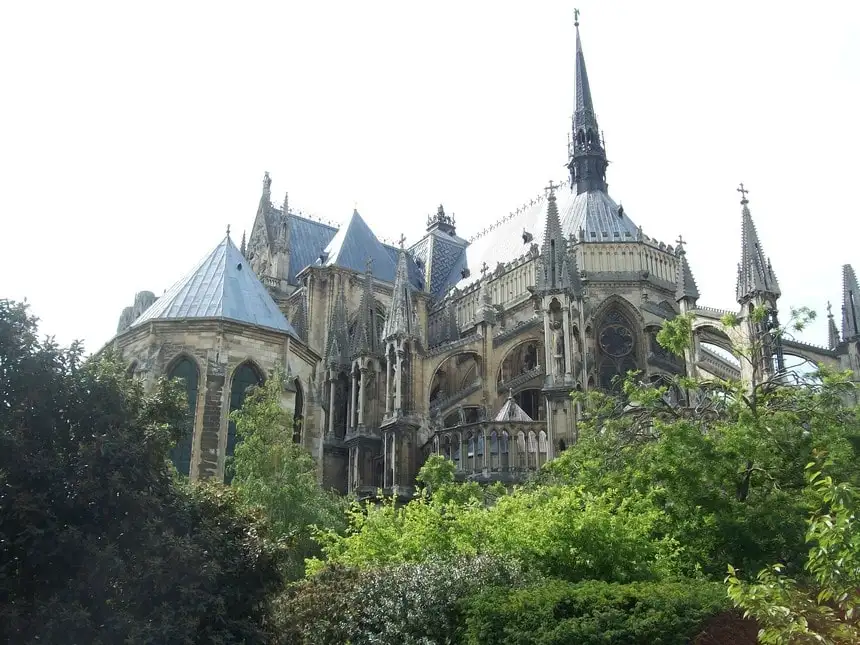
column 519, row 379
column 447, row 347
column 516, row 329
column 442, row 404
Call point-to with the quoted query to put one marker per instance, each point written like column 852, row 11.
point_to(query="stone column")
column 398, row 383
column 352, row 397
column 548, row 348
column 388, row 377
column 385, row 460
column 362, row 395
column 331, row 405
column 568, row 370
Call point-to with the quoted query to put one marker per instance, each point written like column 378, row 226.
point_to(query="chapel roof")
column 222, row 286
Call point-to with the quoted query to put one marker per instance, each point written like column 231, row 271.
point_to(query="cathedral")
column 465, row 347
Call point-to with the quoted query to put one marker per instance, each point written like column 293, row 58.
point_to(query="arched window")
column 244, row 378
column 503, row 449
column 298, row 413
column 617, row 345
column 543, row 447
column 186, row 370
column 533, row 450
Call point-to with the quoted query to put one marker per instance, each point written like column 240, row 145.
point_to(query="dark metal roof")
column 307, row 240
column 223, row 286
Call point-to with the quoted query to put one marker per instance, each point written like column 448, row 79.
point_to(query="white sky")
column 131, row 134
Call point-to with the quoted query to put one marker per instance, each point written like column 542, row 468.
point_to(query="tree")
column 822, row 607
column 727, row 467
column 274, row 474
column 100, row 541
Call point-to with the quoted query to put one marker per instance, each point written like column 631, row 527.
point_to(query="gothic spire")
column 365, row 342
column 338, row 333
column 685, row 284
column 832, row 331
column 400, row 322
column 242, row 248
column 755, row 273
column 850, row 304
column 556, row 267
column 586, row 155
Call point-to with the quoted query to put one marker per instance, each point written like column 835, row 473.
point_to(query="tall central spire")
column 586, row 156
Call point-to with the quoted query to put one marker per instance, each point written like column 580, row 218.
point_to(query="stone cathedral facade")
column 464, row 347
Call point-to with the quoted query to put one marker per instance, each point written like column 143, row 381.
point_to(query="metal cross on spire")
column 743, row 191
column 829, row 310
column 484, row 268
column 551, row 188
column 680, row 241
column 228, row 230
column 576, row 17
column 402, row 240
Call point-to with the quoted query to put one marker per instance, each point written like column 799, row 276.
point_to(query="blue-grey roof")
column 222, row 286
column 443, row 257
column 307, row 240
column 354, row 244
column 593, row 212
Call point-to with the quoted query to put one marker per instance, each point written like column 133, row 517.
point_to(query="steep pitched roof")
column 221, row 286
column 354, row 244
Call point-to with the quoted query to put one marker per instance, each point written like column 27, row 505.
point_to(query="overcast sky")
column 132, row 134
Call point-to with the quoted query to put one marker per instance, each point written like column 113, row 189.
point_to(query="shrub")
column 558, row 612
column 407, row 604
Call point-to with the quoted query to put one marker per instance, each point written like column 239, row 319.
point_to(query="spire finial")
column 368, row 265
column 743, row 191
column 510, row 393
column 243, row 248
column 829, row 310
column 228, row 230
column 576, row 17
column 267, row 181
column 680, row 242
column 550, row 189
column 402, row 240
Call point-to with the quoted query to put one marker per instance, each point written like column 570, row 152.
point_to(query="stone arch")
column 620, row 302
column 619, row 341
column 131, row 370
column 185, row 367
column 531, row 400
column 245, row 376
column 512, row 365
column 449, row 376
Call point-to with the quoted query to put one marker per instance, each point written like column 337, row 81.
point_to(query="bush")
column 407, row 604
column 586, row 613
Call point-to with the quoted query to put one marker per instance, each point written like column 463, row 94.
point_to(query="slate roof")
column 221, row 286
column 443, row 257
column 685, row 284
column 594, row 212
column 307, row 240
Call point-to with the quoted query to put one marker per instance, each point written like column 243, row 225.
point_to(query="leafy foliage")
column 279, row 477
column 406, row 604
column 824, row 607
column 555, row 612
column 562, row 531
column 100, row 542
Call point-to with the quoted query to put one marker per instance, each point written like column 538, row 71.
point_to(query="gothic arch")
column 716, row 335
column 619, row 341
column 246, row 375
column 298, row 411
column 185, row 367
column 621, row 303
column 509, row 354
column 436, row 384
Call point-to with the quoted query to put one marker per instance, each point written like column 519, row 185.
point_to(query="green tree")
column 822, row 607
column 274, row 474
column 727, row 471
column 100, row 542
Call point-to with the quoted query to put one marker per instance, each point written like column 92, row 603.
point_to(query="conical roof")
column 222, row 286
column 685, row 284
column 510, row 411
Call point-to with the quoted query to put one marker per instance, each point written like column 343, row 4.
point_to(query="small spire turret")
column 401, row 321
column 556, row 270
column 832, row 332
column 850, row 304
column 685, row 284
column 755, row 273
column 366, row 339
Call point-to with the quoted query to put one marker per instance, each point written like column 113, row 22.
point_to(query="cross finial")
column 680, row 241
column 551, row 188
column 484, row 268
column 402, row 240
column 228, row 230
column 576, row 17
column 743, row 191
column 829, row 310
